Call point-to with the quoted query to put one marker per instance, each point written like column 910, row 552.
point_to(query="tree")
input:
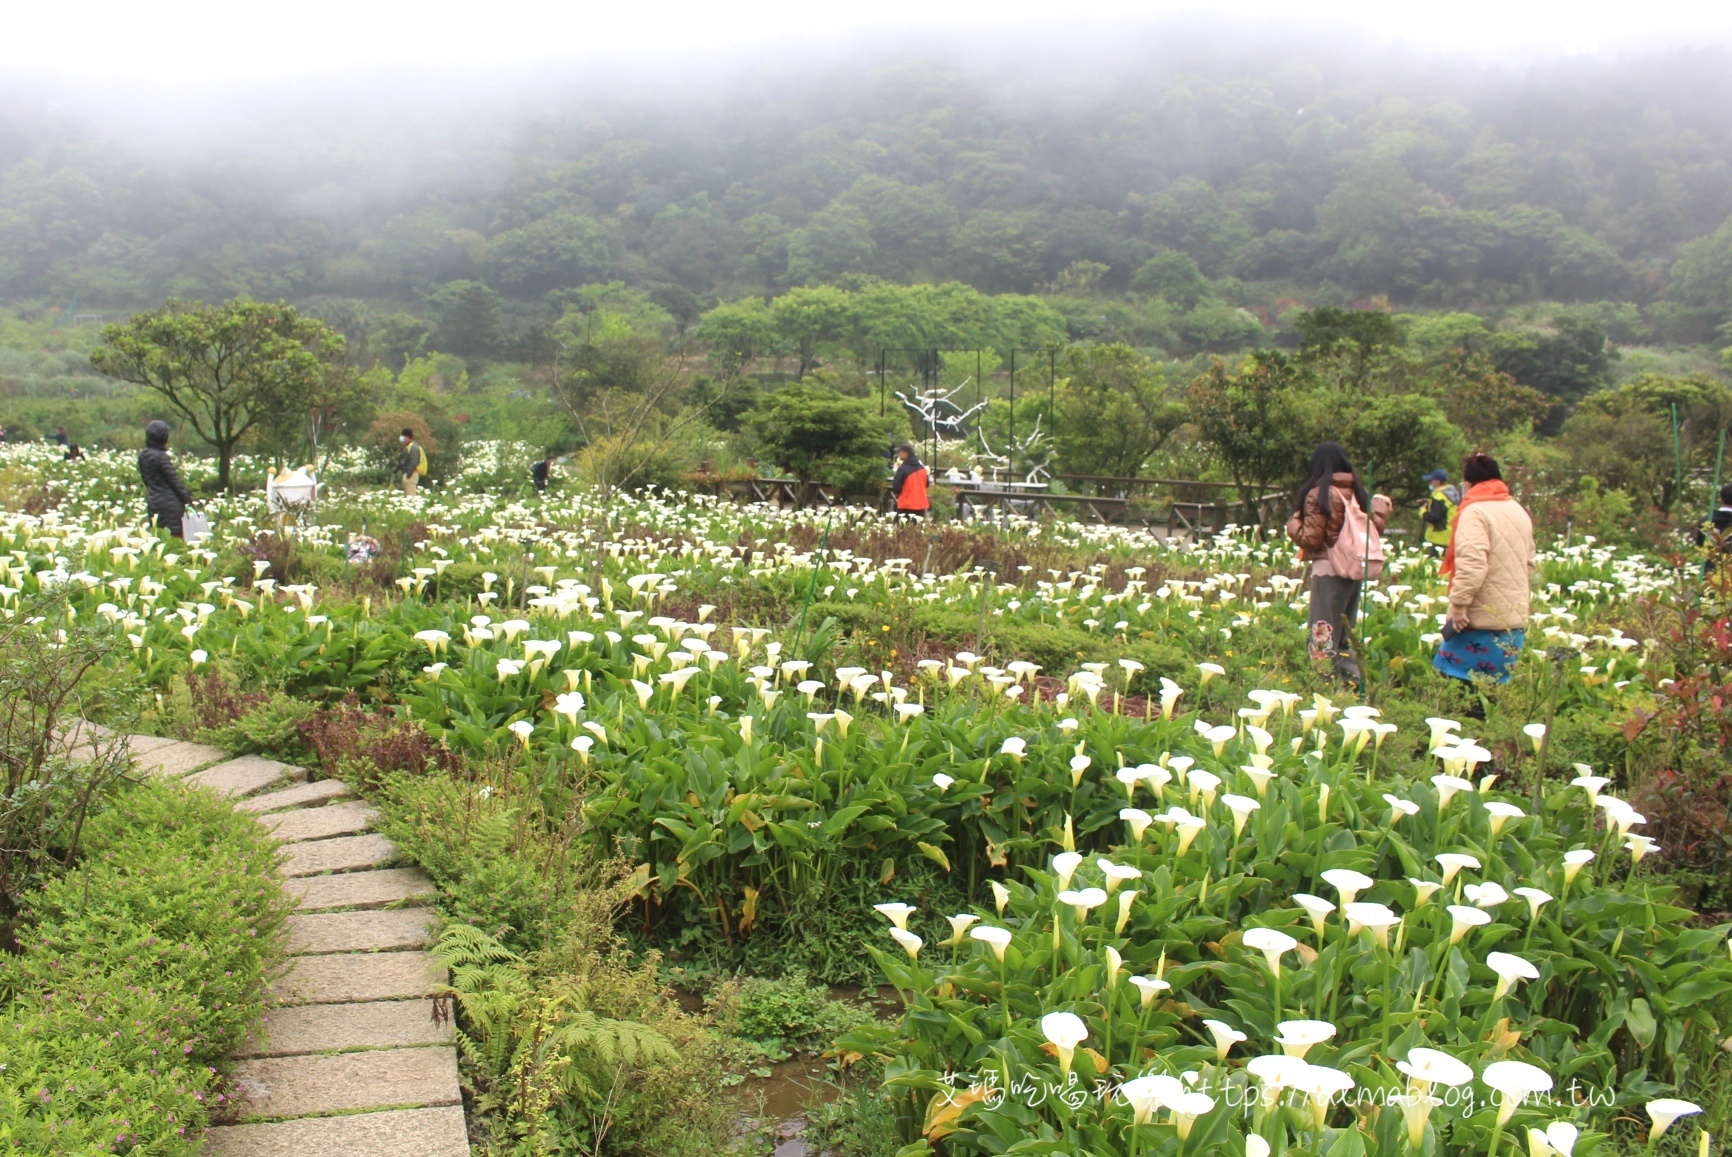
column 1397, row 438
column 736, row 333
column 226, row 369
column 563, row 248
column 399, row 337
column 1636, row 419
column 1363, row 331
column 998, row 251
column 820, row 435
column 1113, row 410
column 810, row 317
column 1219, row 327
column 1701, row 280
column 1568, row 361
column 623, row 392
column 1366, row 328
column 1484, row 402
column 1174, row 276
column 340, row 403
column 1368, row 217
column 836, row 240
column 1257, row 421
column 909, row 225
column 1190, row 217
column 763, row 242
column 420, row 248
column 1081, row 278
column 468, row 318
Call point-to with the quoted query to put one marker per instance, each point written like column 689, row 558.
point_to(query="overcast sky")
column 198, row 44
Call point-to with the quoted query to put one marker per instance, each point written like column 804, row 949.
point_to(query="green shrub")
column 1057, row 648
column 862, row 1122
column 140, row 971
column 566, row 1038
column 496, row 867
column 786, row 1012
column 271, row 728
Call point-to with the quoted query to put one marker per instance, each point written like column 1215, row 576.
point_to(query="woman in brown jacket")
column 1330, row 489
column 1489, row 563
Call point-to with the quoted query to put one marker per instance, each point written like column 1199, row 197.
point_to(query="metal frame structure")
column 928, row 361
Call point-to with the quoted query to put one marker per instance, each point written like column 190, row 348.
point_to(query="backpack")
column 1349, row 555
column 421, row 466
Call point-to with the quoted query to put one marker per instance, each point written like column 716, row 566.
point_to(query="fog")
column 164, row 54
column 190, row 78
column 373, row 156
column 193, row 44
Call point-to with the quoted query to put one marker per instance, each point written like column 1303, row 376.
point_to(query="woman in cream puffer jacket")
column 1490, row 564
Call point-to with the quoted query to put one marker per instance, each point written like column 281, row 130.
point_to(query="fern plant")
column 535, row 1052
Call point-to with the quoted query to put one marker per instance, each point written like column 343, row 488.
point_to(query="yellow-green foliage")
column 565, row 1036
column 140, row 972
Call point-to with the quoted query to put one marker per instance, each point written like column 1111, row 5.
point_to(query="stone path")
column 351, row 1060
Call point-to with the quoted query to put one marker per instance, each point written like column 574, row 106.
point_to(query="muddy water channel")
column 772, row 1107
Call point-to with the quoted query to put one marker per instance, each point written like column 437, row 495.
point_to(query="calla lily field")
column 1142, row 880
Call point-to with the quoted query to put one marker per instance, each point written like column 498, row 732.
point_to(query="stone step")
column 335, row 977
column 327, row 1028
column 171, row 757
column 247, row 775
column 361, row 890
column 343, row 854
column 307, row 1086
column 301, row 795
column 397, row 1133
column 321, row 823
column 78, row 737
column 325, row 932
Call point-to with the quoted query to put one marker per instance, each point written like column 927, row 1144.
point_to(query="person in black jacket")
column 165, row 495
column 1716, row 536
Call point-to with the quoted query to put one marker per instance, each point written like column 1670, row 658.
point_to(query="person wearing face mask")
column 412, row 462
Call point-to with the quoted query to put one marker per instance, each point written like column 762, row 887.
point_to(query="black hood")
column 156, row 435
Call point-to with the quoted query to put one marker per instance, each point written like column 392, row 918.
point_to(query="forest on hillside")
column 1204, row 197
column 1194, row 265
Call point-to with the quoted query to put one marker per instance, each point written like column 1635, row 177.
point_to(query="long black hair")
column 1328, row 460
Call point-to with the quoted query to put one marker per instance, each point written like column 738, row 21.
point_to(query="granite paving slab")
column 313, row 794
column 246, row 775
column 342, row 854
column 321, row 823
column 171, row 757
column 335, row 977
column 377, row 889
column 306, row 1086
column 396, row 1133
column 376, row 1024
column 370, row 931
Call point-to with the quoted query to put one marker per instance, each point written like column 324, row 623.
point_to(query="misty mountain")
column 1256, row 179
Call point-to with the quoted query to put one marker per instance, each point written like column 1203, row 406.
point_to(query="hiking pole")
column 1365, row 564
column 1719, row 457
column 1677, row 459
column 1364, row 576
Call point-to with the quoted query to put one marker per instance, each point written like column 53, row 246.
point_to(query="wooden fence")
column 1178, row 504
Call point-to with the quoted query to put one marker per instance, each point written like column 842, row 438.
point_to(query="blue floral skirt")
column 1485, row 654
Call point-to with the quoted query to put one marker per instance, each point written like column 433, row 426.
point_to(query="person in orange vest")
column 908, row 484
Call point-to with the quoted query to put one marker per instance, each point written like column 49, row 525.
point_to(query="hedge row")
column 140, row 970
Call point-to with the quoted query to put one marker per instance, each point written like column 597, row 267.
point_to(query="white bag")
column 194, row 527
